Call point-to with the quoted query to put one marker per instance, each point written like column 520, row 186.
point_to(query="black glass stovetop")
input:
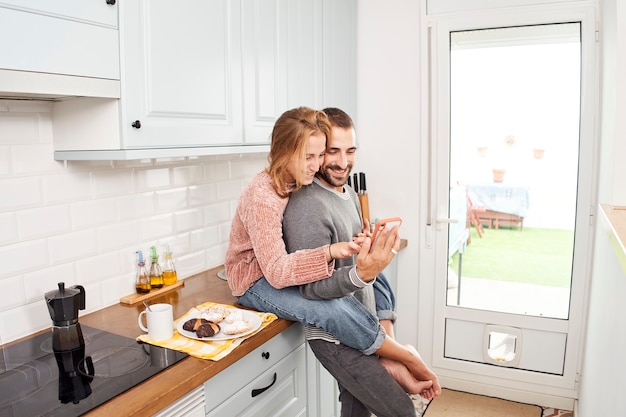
column 36, row 381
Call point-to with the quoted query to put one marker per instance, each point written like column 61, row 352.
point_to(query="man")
column 367, row 384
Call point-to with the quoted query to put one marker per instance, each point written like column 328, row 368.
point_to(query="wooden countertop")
column 174, row 382
column 169, row 385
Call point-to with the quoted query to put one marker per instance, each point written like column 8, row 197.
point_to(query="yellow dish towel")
column 213, row 350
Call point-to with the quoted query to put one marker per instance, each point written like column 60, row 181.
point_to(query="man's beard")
column 326, row 173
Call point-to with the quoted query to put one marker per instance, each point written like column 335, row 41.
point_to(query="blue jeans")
column 346, row 318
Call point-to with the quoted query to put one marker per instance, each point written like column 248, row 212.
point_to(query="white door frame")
column 519, row 385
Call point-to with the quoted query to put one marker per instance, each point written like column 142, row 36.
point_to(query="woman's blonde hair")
column 290, row 136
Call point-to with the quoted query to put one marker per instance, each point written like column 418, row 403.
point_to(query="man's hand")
column 372, row 260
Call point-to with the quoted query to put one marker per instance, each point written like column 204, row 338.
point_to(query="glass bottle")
column 156, row 276
column 142, row 279
column 169, row 271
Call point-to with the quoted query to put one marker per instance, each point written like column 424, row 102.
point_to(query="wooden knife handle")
column 365, row 207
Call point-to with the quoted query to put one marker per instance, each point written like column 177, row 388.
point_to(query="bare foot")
column 404, row 377
column 421, row 372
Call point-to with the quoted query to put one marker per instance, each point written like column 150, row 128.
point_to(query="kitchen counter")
column 177, row 380
column 181, row 378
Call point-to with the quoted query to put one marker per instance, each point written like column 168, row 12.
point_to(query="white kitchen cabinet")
column 51, row 41
column 212, row 77
column 191, row 405
column 269, row 381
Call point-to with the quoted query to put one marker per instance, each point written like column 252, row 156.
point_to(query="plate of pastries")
column 218, row 323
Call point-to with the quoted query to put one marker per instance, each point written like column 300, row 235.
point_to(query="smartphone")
column 385, row 223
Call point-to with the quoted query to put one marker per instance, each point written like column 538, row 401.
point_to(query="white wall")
column 603, row 369
column 389, row 132
column 83, row 222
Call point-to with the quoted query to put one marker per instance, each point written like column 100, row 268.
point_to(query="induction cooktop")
column 35, row 380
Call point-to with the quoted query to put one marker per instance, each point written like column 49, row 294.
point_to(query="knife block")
column 365, row 207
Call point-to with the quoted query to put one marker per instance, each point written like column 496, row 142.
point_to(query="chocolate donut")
column 207, row 329
column 192, row 325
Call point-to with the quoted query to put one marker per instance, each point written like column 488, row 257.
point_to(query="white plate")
column 248, row 316
column 221, row 274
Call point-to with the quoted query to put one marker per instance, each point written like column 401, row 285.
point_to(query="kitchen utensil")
column 63, row 306
column 147, row 305
column 160, row 322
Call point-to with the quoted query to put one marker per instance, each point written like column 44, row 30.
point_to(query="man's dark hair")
column 338, row 118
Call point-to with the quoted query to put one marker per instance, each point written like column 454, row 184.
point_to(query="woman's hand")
column 342, row 250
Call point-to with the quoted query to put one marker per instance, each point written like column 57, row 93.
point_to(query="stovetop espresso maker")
column 63, row 305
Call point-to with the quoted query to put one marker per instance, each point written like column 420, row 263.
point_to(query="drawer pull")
column 265, row 355
column 260, row 391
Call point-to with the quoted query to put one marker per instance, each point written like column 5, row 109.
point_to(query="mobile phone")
column 385, row 224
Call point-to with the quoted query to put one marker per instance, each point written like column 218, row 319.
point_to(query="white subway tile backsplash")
column 228, row 190
column 187, row 175
column 39, row 282
column 157, row 227
column 152, row 178
column 118, row 235
column 136, row 206
column 81, row 222
column 247, row 166
column 111, row 182
column 218, row 170
column 171, row 200
column 34, row 159
column 93, row 213
column 204, row 238
column 217, row 213
column 42, row 222
column 23, row 320
column 188, row 220
column 98, row 268
column 8, row 228
column 69, row 186
column 5, row 162
column 23, row 257
column 73, row 246
column 23, row 192
column 13, row 292
column 18, row 128
column 202, row 195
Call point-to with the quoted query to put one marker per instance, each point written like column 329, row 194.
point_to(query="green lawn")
column 533, row 256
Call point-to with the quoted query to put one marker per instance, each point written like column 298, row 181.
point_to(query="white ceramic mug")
column 160, row 320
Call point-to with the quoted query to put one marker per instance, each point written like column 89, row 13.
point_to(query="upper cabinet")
column 62, row 48
column 201, row 78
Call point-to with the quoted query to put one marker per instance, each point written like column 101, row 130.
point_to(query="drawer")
column 255, row 363
column 278, row 392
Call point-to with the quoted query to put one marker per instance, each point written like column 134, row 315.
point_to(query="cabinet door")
column 181, row 66
column 54, row 39
column 339, row 60
column 263, row 67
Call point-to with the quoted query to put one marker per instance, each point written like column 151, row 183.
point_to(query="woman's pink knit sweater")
column 256, row 248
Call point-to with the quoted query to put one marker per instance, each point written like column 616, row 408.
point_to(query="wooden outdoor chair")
column 473, row 216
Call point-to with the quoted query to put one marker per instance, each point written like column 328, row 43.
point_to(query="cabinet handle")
column 265, row 355
column 260, row 391
column 136, row 124
column 111, row 2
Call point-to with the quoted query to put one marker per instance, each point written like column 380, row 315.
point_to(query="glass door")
column 511, row 151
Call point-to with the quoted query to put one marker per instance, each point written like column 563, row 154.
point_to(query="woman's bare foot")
column 404, row 377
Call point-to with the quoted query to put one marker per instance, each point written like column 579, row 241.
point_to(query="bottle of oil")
column 156, row 276
column 169, row 271
column 142, row 279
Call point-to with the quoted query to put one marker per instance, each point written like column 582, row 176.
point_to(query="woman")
column 263, row 276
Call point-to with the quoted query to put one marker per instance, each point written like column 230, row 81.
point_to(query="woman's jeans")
column 346, row 318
